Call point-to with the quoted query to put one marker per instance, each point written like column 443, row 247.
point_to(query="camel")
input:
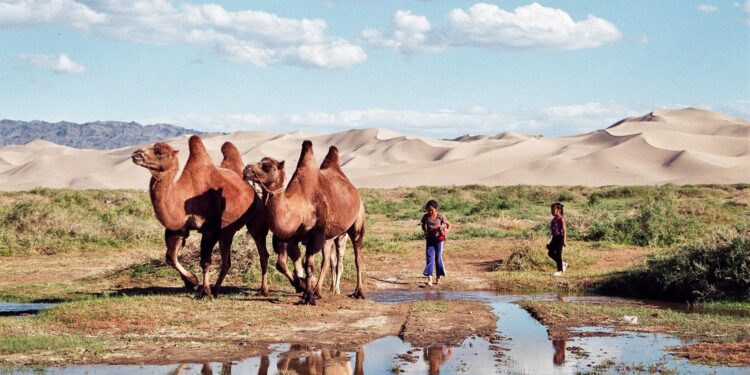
column 320, row 204
column 215, row 201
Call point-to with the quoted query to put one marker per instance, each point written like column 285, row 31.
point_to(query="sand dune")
column 683, row 146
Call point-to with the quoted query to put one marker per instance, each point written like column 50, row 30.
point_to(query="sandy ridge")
column 685, row 146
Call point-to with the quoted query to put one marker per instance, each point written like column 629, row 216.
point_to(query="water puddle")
column 16, row 309
column 525, row 349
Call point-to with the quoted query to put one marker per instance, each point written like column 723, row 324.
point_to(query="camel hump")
column 198, row 153
column 232, row 158
column 332, row 158
column 306, row 156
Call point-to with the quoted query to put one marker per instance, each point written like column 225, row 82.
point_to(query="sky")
column 431, row 68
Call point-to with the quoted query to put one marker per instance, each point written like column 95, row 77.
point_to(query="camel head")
column 268, row 172
column 157, row 159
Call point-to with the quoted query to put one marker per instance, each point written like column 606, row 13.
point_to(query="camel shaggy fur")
column 215, row 201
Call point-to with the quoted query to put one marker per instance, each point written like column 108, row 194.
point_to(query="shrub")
column 529, row 255
column 713, row 269
column 656, row 223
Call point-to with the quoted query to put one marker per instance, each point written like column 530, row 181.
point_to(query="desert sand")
column 684, row 146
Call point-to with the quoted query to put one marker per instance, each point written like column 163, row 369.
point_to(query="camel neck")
column 164, row 197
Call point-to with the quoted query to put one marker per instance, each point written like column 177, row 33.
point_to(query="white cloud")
column 57, row 63
column 708, row 8
column 243, row 36
column 448, row 123
column 530, row 27
column 411, row 33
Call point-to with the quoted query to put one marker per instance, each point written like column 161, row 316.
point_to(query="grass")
column 54, row 344
column 46, row 221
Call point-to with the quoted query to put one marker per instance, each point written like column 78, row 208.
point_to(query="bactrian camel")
column 320, row 204
column 215, row 201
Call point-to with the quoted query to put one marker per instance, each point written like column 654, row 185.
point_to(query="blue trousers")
column 434, row 254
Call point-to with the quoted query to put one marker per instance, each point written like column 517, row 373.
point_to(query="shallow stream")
column 525, row 349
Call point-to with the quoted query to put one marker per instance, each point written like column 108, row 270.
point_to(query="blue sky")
column 436, row 68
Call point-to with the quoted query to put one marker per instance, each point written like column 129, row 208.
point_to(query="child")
column 435, row 227
column 559, row 237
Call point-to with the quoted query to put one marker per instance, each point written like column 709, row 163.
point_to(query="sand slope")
column 683, row 146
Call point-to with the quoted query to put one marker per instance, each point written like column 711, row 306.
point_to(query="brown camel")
column 320, row 204
column 216, row 201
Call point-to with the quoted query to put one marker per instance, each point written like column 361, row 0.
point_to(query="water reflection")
column 435, row 356
column 559, row 357
column 302, row 359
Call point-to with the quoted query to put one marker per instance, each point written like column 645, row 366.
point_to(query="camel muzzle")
column 138, row 156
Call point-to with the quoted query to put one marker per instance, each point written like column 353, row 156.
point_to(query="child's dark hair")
column 432, row 203
column 559, row 206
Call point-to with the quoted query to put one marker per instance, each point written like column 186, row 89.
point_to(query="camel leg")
column 315, row 243
column 208, row 241
column 324, row 266
column 338, row 267
column 175, row 240
column 225, row 247
column 357, row 234
column 282, row 249
column 299, row 271
column 260, row 244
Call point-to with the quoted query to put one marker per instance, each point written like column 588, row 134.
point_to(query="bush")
column 714, row 269
column 530, row 255
column 656, row 223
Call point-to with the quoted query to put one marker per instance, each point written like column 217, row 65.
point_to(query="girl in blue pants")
column 435, row 226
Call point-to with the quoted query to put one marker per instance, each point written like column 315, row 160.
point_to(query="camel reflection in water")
column 435, row 356
column 298, row 360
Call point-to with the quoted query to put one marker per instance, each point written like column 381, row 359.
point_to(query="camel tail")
column 232, row 158
column 332, row 158
column 198, row 153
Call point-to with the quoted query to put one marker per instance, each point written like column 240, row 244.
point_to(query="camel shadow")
column 236, row 293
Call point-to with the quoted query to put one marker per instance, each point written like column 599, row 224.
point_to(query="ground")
column 100, row 254
column 142, row 315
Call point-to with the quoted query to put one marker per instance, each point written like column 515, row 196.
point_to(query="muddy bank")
column 169, row 329
column 723, row 339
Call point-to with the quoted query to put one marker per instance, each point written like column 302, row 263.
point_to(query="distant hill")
column 96, row 135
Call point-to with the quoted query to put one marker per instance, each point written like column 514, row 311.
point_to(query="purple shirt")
column 556, row 227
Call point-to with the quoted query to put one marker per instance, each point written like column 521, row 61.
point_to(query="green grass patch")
column 47, row 221
column 40, row 343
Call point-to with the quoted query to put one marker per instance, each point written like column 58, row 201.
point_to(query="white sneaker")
column 557, row 274
column 565, row 266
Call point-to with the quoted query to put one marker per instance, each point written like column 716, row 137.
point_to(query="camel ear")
column 281, row 164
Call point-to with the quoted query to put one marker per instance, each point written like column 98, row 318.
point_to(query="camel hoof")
column 191, row 285
column 204, row 293
column 263, row 292
column 358, row 294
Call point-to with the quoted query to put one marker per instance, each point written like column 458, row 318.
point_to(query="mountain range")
column 100, row 135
